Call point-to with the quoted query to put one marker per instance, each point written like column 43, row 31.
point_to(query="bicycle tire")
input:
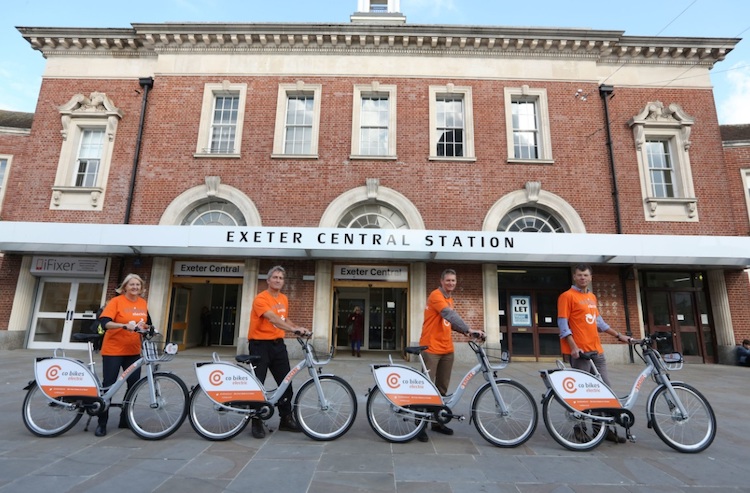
column 389, row 422
column 572, row 432
column 155, row 423
column 212, row 421
column 44, row 418
column 691, row 435
column 512, row 429
column 329, row 423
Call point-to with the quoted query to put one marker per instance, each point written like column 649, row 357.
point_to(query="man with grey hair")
column 269, row 323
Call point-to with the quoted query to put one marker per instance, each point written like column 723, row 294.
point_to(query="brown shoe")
column 257, row 428
column 612, row 436
column 422, row 436
column 288, row 423
column 438, row 428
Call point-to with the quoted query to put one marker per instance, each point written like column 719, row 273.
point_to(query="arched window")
column 527, row 219
column 373, row 216
column 215, row 213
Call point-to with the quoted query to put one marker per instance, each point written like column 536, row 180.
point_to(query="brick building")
column 367, row 157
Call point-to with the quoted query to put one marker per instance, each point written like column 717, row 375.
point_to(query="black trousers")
column 273, row 357
column 111, row 370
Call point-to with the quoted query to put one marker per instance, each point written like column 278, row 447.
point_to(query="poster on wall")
column 520, row 311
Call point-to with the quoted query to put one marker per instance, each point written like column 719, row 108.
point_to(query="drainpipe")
column 146, row 84
column 607, row 92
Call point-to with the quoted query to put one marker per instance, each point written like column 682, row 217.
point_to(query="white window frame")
column 544, row 140
column 465, row 93
column 285, row 92
column 673, row 125
column 4, row 180
column 362, row 91
column 210, row 92
column 745, row 174
column 79, row 114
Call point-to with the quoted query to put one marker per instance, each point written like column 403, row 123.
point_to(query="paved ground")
column 361, row 461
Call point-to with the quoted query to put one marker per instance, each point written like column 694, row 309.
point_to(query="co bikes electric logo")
column 53, row 372
column 569, row 384
column 393, row 380
column 216, row 377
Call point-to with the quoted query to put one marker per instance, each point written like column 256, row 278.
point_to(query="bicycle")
column 228, row 396
column 64, row 388
column 404, row 400
column 578, row 406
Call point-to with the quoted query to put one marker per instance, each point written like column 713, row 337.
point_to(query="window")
column 297, row 121
column 374, row 122
column 4, row 167
column 215, row 213
column 451, row 123
column 746, row 186
column 89, row 127
column 373, row 216
column 527, row 123
column 662, row 141
column 660, row 169
column 530, row 219
column 222, row 118
column 89, row 157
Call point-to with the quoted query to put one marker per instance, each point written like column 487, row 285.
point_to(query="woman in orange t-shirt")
column 122, row 345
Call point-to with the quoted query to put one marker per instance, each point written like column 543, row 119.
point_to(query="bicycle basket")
column 497, row 356
column 157, row 349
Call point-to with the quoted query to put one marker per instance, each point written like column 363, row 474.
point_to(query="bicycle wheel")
column 389, row 422
column 213, row 422
column 166, row 415
column 569, row 430
column 335, row 417
column 45, row 418
column 511, row 429
column 691, row 434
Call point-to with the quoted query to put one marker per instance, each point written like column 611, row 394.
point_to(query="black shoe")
column 123, row 425
column 422, row 436
column 258, row 429
column 612, row 436
column 288, row 423
column 438, row 428
column 101, row 430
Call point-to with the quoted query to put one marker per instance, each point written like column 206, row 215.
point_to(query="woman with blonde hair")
column 122, row 345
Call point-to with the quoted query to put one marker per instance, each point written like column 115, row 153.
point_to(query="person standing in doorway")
column 439, row 320
column 121, row 347
column 357, row 323
column 269, row 322
column 579, row 322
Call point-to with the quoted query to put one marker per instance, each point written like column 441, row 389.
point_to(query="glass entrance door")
column 63, row 307
column 385, row 316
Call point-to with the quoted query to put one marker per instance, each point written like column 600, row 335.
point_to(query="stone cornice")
column 351, row 39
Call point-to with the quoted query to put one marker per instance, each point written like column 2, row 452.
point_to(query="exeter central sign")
column 391, row 273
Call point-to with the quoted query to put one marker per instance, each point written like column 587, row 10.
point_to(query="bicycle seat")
column 415, row 349
column 246, row 358
column 81, row 337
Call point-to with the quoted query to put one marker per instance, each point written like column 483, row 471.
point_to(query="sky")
column 21, row 67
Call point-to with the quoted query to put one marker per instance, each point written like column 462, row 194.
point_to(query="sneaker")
column 612, row 436
column 438, row 428
column 257, row 428
column 422, row 436
column 288, row 423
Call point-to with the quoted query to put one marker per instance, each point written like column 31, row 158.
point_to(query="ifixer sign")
column 53, row 266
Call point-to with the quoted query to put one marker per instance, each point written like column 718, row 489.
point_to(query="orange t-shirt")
column 261, row 329
column 581, row 311
column 436, row 332
column 120, row 342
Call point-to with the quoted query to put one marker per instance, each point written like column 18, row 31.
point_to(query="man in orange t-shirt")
column 269, row 322
column 439, row 320
column 580, row 323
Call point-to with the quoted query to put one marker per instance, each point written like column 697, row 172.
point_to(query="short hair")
column 129, row 278
column 746, row 341
column 583, row 267
column 276, row 268
column 447, row 272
